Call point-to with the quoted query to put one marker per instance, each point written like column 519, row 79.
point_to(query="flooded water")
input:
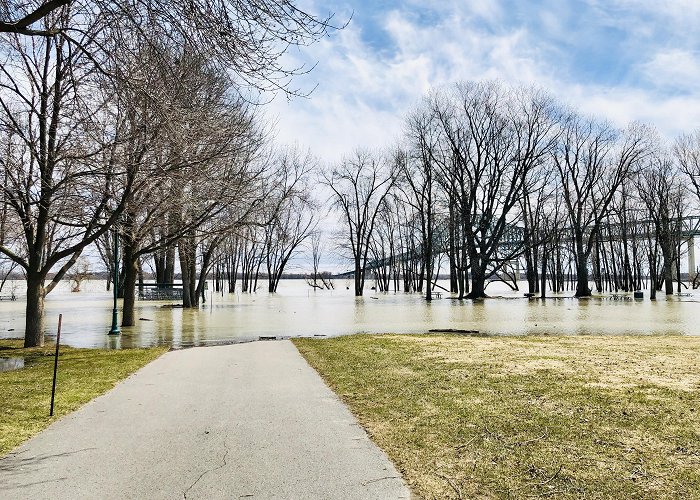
column 9, row 364
column 299, row 311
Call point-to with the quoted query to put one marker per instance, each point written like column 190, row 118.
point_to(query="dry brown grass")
column 608, row 361
column 506, row 417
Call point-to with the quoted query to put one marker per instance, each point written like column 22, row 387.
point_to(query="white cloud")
column 670, row 115
column 674, row 69
column 363, row 93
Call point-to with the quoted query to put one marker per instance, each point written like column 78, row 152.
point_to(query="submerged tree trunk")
column 478, row 288
column 478, row 275
column 543, row 273
column 130, row 277
column 667, row 267
column 582, row 288
column 530, row 271
column 159, row 266
column 652, row 257
column 359, row 278
column 192, row 272
column 188, row 298
column 454, row 287
column 169, row 275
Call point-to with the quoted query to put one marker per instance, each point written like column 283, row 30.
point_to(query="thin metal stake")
column 55, row 363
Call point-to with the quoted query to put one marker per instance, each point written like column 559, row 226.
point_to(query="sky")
column 621, row 60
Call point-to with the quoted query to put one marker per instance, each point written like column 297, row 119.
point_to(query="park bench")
column 620, row 296
column 160, row 291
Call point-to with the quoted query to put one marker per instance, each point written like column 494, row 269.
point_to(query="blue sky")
column 619, row 59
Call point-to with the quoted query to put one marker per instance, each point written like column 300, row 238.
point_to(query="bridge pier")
column 691, row 258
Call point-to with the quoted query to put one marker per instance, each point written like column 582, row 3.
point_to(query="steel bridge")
column 514, row 238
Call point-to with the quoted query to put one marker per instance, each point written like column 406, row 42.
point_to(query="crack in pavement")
column 365, row 483
column 184, row 493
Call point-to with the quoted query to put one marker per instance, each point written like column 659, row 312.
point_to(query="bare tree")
column 593, row 160
column 63, row 129
column 418, row 167
column 78, row 273
column 383, row 245
column 535, row 118
column 220, row 197
column 250, row 245
column 488, row 164
column 687, row 153
column 318, row 278
column 61, row 182
column 292, row 212
column 249, row 37
column 550, row 222
column 660, row 190
column 194, row 163
column 360, row 184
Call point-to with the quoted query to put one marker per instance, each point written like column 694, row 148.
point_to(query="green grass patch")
column 83, row 374
column 507, row 417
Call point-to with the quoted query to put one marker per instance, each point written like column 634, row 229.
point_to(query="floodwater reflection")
column 297, row 310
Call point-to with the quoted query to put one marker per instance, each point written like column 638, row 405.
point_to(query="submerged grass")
column 83, row 374
column 505, row 417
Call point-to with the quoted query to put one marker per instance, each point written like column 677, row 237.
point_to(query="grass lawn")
column 83, row 374
column 518, row 417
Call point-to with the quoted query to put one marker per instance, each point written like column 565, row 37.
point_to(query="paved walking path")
column 249, row 421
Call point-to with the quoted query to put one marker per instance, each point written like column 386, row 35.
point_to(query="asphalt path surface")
column 249, row 421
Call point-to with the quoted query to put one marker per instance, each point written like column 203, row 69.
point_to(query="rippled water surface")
column 299, row 311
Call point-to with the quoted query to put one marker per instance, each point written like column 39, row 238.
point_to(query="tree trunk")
column 169, row 275
column 204, row 272
column 678, row 270
column 192, row 261
column 543, row 273
column 597, row 275
column 478, row 267
column 530, row 269
column 652, row 273
column 159, row 261
column 130, row 276
column 428, row 251
column 359, row 278
column 139, row 268
column 454, row 287
column 478, row 288
column 34, row 321
column 668, row 274
column 184, row 267
column 582, row 288
column 122, row 273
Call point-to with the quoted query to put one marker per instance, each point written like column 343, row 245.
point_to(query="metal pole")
column 55, row 364
column 115, row 323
